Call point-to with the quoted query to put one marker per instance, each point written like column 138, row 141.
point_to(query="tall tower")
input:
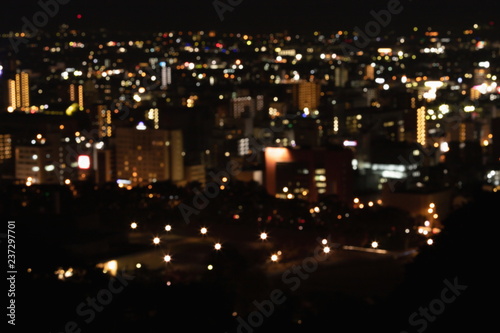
column 19, row 92
column 76, row 94
column 307, row 95
column 421, row 131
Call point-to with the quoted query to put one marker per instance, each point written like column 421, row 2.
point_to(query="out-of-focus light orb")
column 217, row 246
column 263, row 236
column 274, row 257
column 168, row 227
column 168, row 283
column 138, row 265
column 324, row 241
column 407, row 231
column 133, row 225
column 432, row 205
column 210, row 267
column 430, row 241
column 427, row 223
column 374, row 244
column 167, row 258
column 203, row 231
column 326, row 249
column 156, row 240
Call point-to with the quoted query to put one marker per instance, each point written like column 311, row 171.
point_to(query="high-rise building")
column 76, row 94
column 145, row 155
column 104, row 121
column 34, row 165
column 5, row 147
column 242, row 106
column 421, row 128
column 306, row 95
column 19, row 92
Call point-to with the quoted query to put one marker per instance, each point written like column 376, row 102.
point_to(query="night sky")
column 249, row 15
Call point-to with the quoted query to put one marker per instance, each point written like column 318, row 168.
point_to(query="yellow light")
column 486, row 143
column 361, row 206
column 67, row 181
column 432, row 205
column 217, row 246
column 285, row 189
column 356, row 200
column 430, row 210
column 435, row 216
column 224, row 179
column 133, row 225
column 210, row 267
column 274, row 257
column 370, row 204
column 138, row 265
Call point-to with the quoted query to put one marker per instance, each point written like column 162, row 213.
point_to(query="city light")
column 217, row 246
column 167, row 258
column 374, row 244
column 168, row 227
column 203, row 231
column 263, row 236
column 133, row 225
column 156, row 240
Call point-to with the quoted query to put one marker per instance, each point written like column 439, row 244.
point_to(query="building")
column 76, row 95
column 308, row 173
column 34, row 165
column 306, row 95
column 145, row 155
column 19, row 92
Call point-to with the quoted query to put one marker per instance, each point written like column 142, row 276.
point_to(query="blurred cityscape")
column 207, row 165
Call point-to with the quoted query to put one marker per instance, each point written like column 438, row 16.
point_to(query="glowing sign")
column 84, row 162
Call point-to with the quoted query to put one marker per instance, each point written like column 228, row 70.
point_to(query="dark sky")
column 249, row 15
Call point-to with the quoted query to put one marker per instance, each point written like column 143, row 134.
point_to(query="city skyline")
column 260, row 166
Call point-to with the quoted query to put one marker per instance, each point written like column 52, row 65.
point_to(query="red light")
column 79, row 16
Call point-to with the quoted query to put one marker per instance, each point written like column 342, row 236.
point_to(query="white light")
column 203, row 231
column 140, row 126
column 217, row 246
column 274, row 257
column 324, row 241
column 167, row 258
column 168, row 227
column 49, row 167
column 263, row 236
column 84, row 162
column 386, row 86
column 379, row 80
column 326, row 249
column 35, row 157
column 133, row 225
column 156, row 240
column 374, row 244
column 430, row 241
